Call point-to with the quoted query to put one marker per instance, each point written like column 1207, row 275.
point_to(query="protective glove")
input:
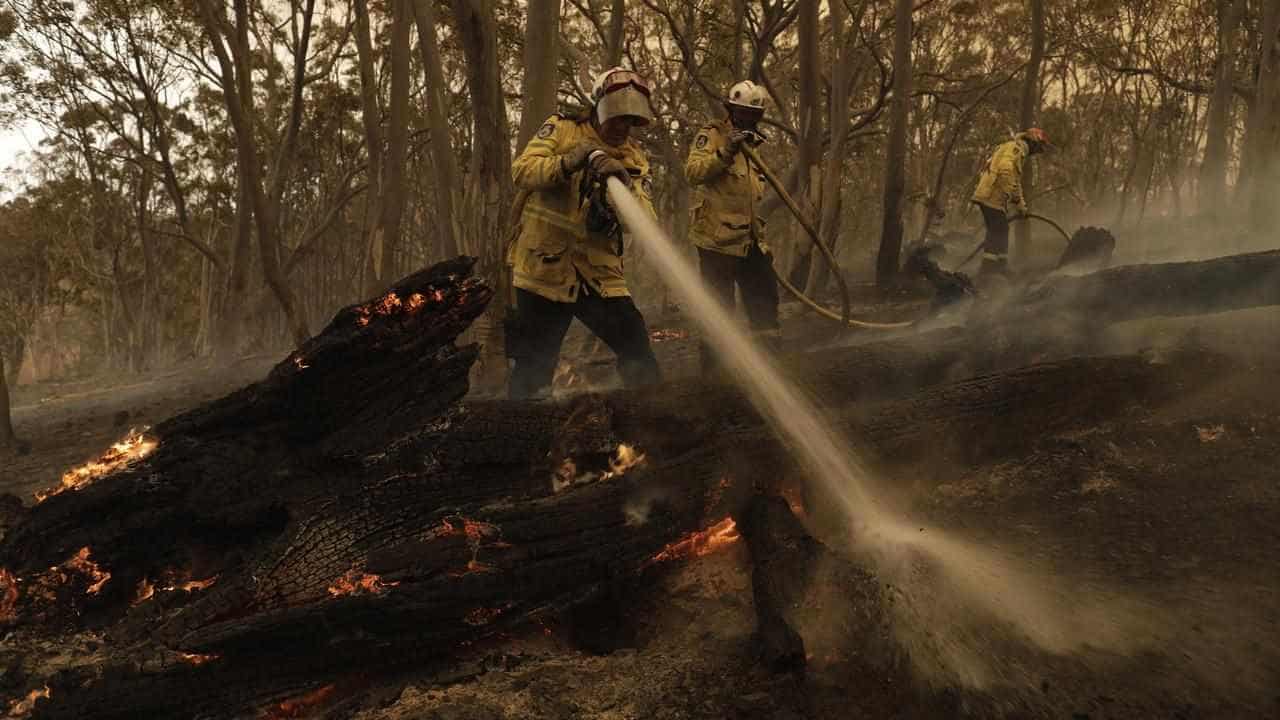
column 603, row 166
column 734, row 144
column 576, row 158
column 1020, row 209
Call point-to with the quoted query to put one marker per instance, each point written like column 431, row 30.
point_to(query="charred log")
column 348, row 515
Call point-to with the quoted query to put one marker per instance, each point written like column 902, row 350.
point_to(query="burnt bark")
column 6, row 420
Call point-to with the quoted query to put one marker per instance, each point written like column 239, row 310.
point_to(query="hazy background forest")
column 217, row 177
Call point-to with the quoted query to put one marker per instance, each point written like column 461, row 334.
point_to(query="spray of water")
column 950, row 591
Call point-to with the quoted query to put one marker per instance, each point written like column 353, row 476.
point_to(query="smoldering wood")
column 354, row 458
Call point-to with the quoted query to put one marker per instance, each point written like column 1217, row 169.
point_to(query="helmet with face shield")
column 618, row 92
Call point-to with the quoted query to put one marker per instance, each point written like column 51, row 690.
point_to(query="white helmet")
column 619, row 91
column 748, row 95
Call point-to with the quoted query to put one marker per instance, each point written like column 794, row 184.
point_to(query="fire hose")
column 823, row 250
column 1029, row 216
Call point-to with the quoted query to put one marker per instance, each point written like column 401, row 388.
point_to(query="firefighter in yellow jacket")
column 999, row 195
column 725, row 224
column 567, row 259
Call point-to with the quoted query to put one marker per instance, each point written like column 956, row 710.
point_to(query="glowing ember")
column 299, row 363
column 623, row 460
column 698, row 544
column 300, row 706
column 663, row 335
column 135, row 446
column 416, row 301
column 356, row 582
column 8, row 595
column 362, row 316
column 81, row 563
column 21, row 708
column 482, row 616
column 387, row 304
column 195, row 659
column 193, row 585
column 144, row 592
column 475, row 530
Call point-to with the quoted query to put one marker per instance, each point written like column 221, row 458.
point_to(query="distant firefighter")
column 725, row 225
column 999, row 195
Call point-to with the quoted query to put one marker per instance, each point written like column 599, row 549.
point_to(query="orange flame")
column 21, row 708
column 135, row 446
column 175, row 581
column 388, row 304
column 81, row 563
column 193, row 585
column 8, row 595
column 355, row 582
column 195, row 659
column 299, row 706
column 625, row 458
column 416, row 301
column 701, row 543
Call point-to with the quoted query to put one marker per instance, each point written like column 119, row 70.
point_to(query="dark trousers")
column 995, row 251
column 542, row 324
column 753, row 275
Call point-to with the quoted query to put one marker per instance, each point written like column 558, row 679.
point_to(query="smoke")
column 942, row 581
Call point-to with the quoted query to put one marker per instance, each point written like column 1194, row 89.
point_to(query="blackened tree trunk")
column 1029, row 108
column 1213, row 171
column 1261, row 174
column 895, row 179
column 6, row 419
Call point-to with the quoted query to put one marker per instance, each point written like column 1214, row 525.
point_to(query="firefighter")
column 725, row 225
column 567, row 259
column 999, row 196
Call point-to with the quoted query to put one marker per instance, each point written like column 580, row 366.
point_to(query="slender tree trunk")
column 1213, row 171
column 393, row 190
column 148, row 307
column 895, row 180
column 810, row 144
column 236, row 69
column 7, row 438
column 838, row 122
column 541, row 58
column 230, row 316
column 371, row 116
column 1030, row 107
column 1262, row 147
column 739, row 24
column 613, row 46
column 488, row 186
column 442, row 157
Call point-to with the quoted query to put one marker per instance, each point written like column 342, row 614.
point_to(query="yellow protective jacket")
column 727, row 194
column 554, row 253
column 1000, row 184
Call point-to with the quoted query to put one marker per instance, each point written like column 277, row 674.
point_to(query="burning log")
column 351, row 491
